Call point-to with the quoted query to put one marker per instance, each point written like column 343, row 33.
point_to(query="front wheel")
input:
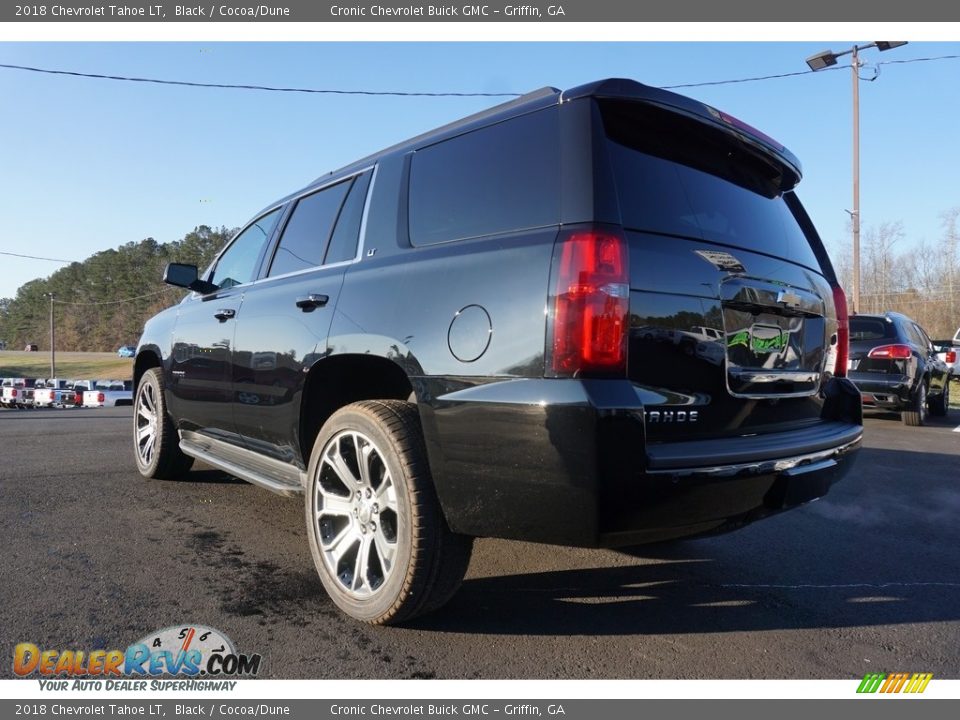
column 377, row 534
column 155, row 441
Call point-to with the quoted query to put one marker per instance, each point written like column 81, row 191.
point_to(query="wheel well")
column 345, row 379
column 144, row 362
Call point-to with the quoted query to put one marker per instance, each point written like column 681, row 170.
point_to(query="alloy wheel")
column 146, row 427
column 355, row 509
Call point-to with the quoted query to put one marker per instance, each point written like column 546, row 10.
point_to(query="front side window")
column 238, row 264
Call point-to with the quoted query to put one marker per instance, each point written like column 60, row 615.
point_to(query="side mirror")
column 185, row 276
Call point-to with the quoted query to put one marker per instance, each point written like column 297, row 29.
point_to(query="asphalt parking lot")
column 865, row 580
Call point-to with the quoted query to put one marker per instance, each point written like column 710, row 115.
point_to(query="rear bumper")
column 889, row 392
column 566, row 462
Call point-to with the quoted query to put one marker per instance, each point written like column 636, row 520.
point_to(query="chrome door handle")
column 311, row 301
column 224, row 314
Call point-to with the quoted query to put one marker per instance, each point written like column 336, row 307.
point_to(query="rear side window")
column 864, row 328
column 916, row 335
column 678, row 177
column 497, row 179
column 305, row 236
column 346, row 236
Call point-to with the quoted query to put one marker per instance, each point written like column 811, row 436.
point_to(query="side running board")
column 276, row 476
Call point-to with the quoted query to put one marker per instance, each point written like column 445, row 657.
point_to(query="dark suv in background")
column 896, row 367
column 470, row 334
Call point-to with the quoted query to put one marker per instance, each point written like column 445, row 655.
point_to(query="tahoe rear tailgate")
column 732, row 318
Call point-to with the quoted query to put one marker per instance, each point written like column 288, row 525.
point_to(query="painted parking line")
column 957, row 428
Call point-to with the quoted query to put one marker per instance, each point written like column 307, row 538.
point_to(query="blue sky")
column 88, row 165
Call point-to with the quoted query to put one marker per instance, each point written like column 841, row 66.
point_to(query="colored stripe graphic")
column 871, row 681
column 894, row 682
column 923, row 680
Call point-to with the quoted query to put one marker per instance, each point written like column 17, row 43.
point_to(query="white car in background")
column 948, row 352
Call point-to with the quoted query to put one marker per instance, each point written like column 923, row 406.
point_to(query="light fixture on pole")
column 826, row 59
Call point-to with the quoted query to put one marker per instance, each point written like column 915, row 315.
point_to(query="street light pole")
column 826, row 59
column 855, row 215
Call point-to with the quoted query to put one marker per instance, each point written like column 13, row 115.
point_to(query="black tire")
column 410, row 563
column 162, row 459
column 918, row 408
column 941, row 404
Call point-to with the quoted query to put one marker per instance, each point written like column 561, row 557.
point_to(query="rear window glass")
column 678, row 177
column 862, row 328
column 497, row 179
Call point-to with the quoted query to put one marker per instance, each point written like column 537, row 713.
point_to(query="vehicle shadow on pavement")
column 882, row 548
column 661, row 599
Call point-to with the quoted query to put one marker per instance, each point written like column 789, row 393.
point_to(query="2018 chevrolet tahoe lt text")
column 460, row 336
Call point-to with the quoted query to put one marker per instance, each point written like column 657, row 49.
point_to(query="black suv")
column 896, row 367
column 477, row 332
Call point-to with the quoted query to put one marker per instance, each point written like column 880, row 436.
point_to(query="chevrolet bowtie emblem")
column 788, row 298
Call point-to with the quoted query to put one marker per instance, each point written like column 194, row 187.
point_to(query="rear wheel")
column 918, row 410
column 155, row 443
column 377, row 534
column 940, row 404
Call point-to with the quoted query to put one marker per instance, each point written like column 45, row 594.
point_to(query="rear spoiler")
column 621, row 89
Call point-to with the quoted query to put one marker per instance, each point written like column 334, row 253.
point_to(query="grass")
column 70, row 365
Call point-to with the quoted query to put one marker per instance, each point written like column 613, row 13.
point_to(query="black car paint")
column 512, row 454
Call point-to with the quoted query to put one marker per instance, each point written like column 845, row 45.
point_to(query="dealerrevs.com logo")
column 900, row 682
column 180, row 651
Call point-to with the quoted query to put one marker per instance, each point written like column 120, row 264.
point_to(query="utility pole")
column 827, row 59
column 855, row 70
column 53, row 340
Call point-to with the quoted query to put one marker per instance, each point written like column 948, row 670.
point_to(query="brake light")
column 951, row 356
column 590, row 304
column 13, row 392
column 891, row 352
column 843, row 332
column 749, row 129
column 99, row 397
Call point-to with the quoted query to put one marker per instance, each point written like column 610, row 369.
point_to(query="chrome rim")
column 923, row 402
column 355, row 514
column 146, row 428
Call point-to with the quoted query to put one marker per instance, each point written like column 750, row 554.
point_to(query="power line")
column 116, row 302
column 751, row 79
column 270, row 88
column 913, row 60
column 34, row 257
column 399, row 93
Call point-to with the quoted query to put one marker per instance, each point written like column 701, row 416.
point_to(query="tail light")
column 951, row 356
column 13, row 392
column 891, row 352
column 843, row 332
column 100, row 397
column 588, row 328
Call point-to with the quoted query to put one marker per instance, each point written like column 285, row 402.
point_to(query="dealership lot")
column 866, row 580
